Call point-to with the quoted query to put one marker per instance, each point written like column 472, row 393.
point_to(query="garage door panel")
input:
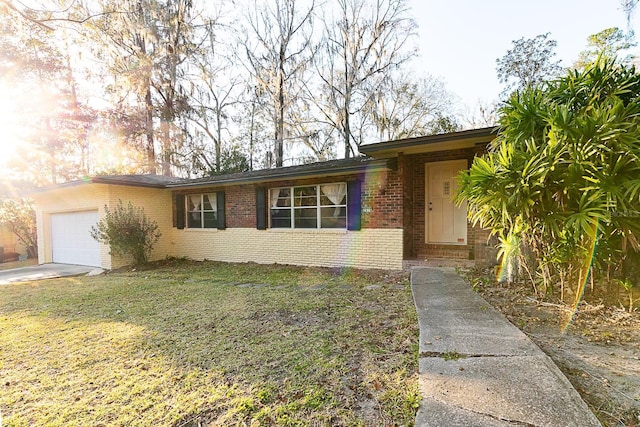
column 71, row 241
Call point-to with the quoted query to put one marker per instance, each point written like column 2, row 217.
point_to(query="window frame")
column 202, row 211
column 318, row 206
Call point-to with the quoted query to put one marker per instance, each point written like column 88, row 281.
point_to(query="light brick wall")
column 155, row 202
column 157, row 207
column 368, row 248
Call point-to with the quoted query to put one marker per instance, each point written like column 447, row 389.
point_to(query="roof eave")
column 431, row 143
column 100, row 180
column 296, row 174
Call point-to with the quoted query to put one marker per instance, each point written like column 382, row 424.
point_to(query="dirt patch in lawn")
column 597, row 348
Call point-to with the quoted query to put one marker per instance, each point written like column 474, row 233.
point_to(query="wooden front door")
column 446, row 222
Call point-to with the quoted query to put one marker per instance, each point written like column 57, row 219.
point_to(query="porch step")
column 437, row 262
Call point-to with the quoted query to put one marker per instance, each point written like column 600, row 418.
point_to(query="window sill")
column 199, row 230
column 309, row 230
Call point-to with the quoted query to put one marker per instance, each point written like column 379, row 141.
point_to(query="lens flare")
column 585, row 273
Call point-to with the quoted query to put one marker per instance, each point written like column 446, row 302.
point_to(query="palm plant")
column 563, row 175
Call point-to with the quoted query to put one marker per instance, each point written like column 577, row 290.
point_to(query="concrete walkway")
column 44, row 271
column 477, row 369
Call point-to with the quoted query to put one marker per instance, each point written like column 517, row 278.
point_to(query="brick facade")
column 415, row 245
column 392, row 219
column 377, row 245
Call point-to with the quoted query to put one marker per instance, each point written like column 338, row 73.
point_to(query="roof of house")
column 326, row 168
column 430, row 143
column 378, row 156
column 155, row 181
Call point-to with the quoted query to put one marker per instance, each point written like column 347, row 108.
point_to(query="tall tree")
column 484, row 114
column 364, row 44
column 37, row 69
column 147, row 43
column 405, row 108
column 217, row 90
column 528, row 64
column 629, row 7
column 279, row 52
column 607, row 44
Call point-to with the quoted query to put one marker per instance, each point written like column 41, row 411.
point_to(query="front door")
column 446, row 222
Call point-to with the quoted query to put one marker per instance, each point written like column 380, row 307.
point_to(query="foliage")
column 178, row 83
column 128, row 231
column 560, row 185
column 19, row 217
column 37, row 78
column 528, row 64
column 607, row 44
column 279, row 59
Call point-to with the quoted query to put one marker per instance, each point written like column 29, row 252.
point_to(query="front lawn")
column 203, row 343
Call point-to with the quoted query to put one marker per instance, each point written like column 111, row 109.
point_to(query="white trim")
column 318, row 206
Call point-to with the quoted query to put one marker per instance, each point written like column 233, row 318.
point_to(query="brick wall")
column 415, row 240
column 377, row 245
column 157, row 207
column 381, row 198
column 368, row 248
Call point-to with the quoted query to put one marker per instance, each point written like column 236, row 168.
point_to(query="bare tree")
column 629, row 7
column 363, row 45
column 404, row 107
column 147, row 44
column 528, row 63
column 217, row 89
column 279, row 51
column 485, row 114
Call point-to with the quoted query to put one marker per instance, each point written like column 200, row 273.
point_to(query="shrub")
column 19, row 217
column 128, row 232
column 561, row 182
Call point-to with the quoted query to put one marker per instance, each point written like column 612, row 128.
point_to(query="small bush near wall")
column 128, row 232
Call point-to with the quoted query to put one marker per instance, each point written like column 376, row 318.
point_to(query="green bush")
column 560, row 186
column 128, row 232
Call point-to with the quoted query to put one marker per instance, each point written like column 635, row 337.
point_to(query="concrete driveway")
column 44, row 271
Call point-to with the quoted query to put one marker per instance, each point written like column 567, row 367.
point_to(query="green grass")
column 184, row 343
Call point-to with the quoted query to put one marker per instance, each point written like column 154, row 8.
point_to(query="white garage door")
column 71, row 242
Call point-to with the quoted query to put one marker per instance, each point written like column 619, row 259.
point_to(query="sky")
column 460, row 40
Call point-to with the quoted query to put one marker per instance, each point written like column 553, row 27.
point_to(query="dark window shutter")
column 180, row 211
column 354, row 205
column 261, row 208
column 220, row 208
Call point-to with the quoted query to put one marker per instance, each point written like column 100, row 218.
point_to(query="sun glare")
column 9, row 125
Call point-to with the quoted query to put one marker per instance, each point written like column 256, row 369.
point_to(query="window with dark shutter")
column 221, row 216
column 354, row 205
column 261, row 208
column 179, row 200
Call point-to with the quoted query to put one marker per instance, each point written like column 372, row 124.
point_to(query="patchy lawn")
column 198, row 343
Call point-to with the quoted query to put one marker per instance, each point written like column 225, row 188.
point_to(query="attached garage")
column 71, row 241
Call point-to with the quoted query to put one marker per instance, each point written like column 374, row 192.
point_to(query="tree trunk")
column 279, row 148
column 150, row 143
